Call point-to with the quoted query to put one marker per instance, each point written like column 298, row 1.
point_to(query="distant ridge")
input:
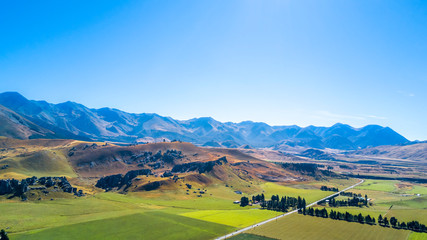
column 73, row 120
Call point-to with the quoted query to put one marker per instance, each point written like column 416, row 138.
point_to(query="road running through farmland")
column 285, row 214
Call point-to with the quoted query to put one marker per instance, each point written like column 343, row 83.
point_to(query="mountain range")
column 22, row 118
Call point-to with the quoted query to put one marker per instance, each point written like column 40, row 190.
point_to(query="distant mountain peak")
column 74, row 119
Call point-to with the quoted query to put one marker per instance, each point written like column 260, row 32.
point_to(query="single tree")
column 3, row 235
column 393, row 221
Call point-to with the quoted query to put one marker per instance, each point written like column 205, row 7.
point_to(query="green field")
column 39, row 219
column 306, row 227
column 389, row 198
column 310, row 195
column 235, row 218
column 172, row 214
column 247, row 236
column 417, row 236
column 149, row 225
column 417, row 189
column 378, row 185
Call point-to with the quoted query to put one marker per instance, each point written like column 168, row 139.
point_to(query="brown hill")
column 416, row 152
column 167, row 165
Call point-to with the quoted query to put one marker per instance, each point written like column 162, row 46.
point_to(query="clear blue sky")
column 281, row 62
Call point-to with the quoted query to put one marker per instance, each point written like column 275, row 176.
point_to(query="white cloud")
column 345, row 118
column 406, row 94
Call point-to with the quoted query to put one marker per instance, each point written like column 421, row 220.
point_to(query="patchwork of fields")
column 307, row 227
column 150, row 214
column 171, row 214
column 390, row 199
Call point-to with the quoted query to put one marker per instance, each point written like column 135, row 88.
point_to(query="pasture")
column 298, row 226
column 149, row 225
column 378, row 185
column 235, row 218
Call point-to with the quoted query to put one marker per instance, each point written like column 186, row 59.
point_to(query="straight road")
column 285, row 214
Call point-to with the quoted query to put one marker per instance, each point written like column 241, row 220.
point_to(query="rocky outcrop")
column 19, row 188
column 152, row 186
column 118, row 180
column 167, row 174
column 201, row 167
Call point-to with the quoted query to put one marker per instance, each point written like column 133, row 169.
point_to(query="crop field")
column 417, row 189
column 174, row 214
column 235, row 218
column 417, row 236
column 389, row 198
column 19, row 216
column 378, row 185
column 374, row 211
column 103, row 211
column 310, row 195
column 306, row 227
column 156, row 225
column 248, row 236
column 415, row 203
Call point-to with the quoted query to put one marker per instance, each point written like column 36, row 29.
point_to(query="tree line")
column 383, row 222
column 393, row 222
column 331, row 189
column 353, row 202
column 276, row 203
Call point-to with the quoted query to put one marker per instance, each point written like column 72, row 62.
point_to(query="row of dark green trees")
column 384, row 222
column 393, row 222
column 276, row 203
column 332, row 189
column 354, row 202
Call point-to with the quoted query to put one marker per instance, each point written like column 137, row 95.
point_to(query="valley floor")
column 390, row 199
column 147, row 215
column 172, row 214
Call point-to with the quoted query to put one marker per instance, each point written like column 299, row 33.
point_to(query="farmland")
column 102, row 211
column 197, row 205
column 306, row 227
column 388, row 198
column 134, row 226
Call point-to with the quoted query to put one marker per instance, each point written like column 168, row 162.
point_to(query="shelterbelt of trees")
column 331, row 189
column 356, row 200
column 281, row 204
column 384, row 222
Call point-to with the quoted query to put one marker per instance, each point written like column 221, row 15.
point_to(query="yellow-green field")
column 235, row 218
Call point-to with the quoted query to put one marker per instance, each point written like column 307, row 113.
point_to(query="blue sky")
column 281, row 62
